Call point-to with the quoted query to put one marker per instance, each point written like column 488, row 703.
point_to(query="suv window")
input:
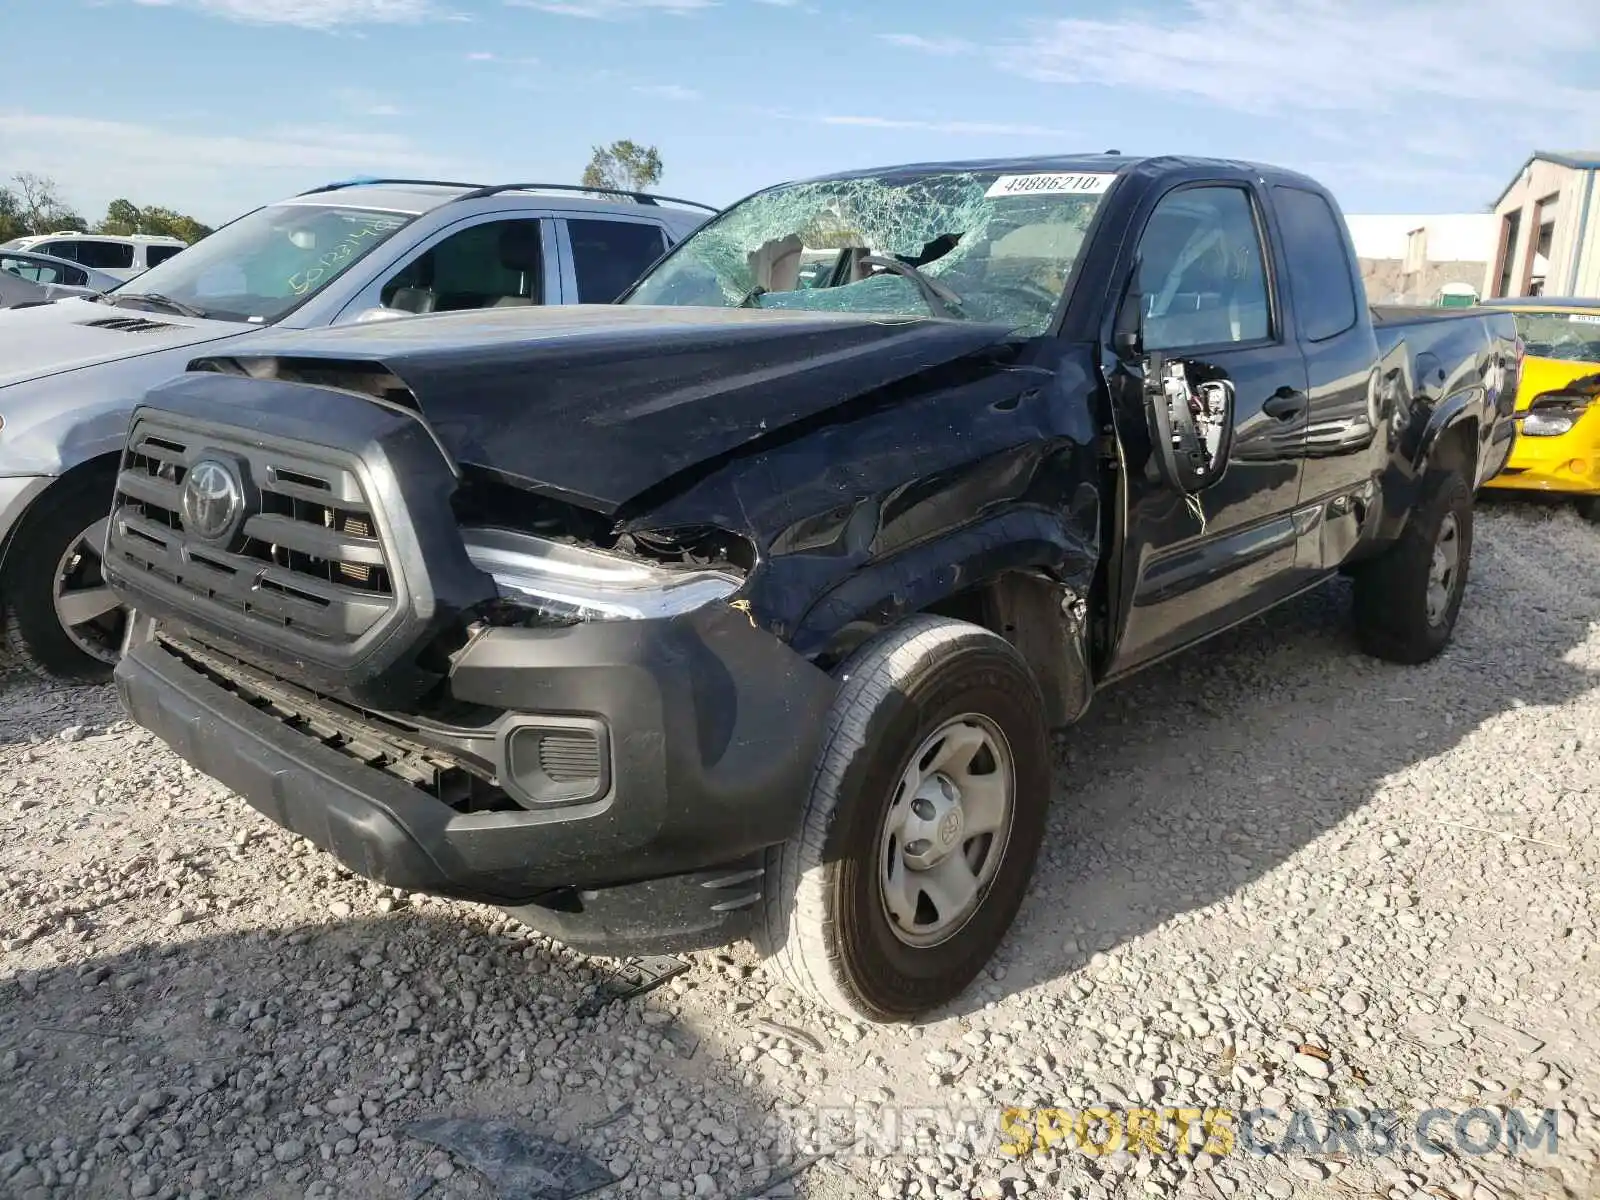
column 1202, row 274
column 1313, row 247
column 68, row 250
column 159, row 254
column 497, row 264
column 105, row 256
column 608, row 256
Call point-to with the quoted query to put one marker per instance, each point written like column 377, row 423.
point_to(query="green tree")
column 625, row 165
column 34, row 202
column 11, row 225
column 124, row 217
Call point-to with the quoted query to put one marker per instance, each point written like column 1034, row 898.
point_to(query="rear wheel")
column 922, row 826
column 1408, row 599
column 61, row 620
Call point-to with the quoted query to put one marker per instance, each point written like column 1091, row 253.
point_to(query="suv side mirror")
column 1191, row 424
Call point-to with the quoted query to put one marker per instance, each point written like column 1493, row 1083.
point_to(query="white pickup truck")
column 72, row 371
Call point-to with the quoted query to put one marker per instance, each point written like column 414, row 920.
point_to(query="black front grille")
column 305, row 557
column 368, row 738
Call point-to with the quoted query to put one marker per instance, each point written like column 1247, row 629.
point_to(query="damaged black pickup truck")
column 742, row 607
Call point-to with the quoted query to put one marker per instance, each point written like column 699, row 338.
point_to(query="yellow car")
column 1558, row 400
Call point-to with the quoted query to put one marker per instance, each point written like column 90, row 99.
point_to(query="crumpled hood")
column 50, row 338
column 596, row 404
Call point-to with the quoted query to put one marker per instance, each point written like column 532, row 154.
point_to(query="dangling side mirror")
column 1191, row 425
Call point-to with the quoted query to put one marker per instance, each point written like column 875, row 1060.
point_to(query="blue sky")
column 214, row 106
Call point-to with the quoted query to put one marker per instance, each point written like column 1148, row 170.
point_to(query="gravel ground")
column 1278, row 874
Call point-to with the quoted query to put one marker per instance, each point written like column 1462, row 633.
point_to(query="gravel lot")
column 1278, row 874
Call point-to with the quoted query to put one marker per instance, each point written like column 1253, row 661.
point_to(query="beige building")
column 1417, row 259
column 1548, row 229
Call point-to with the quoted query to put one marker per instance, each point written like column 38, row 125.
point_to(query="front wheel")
column 921, row 829
column 61, row 620
column 1589, row 508
column 1407, row 600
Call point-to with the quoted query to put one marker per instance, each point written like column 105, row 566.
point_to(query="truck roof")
column 1110, row 162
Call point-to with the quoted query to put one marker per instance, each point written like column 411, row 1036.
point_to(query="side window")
column 496, row 264
column 67, row 250
column 1319, row 265
column 607, row 256
column 23, row 269
column 1201, row 271
column 105, row 256
column 159, row 254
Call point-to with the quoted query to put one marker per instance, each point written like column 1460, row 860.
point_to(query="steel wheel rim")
column 1443, row 568
column 88, row 611
column 945, row 831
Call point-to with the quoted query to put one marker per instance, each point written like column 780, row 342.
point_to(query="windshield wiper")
column 750, row 297
column 941, row 299
column 160, row 301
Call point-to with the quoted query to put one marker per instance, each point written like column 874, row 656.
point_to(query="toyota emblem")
column 213, row 500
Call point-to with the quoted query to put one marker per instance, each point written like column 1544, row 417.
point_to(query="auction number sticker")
column 1583, row 319
column 1049, row 185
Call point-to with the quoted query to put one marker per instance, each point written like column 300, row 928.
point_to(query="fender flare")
column 1456, row 408
column 1042, row 608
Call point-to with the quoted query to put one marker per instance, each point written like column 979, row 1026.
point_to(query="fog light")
column 558, row 760
column 1578, row 467
column 1538, row 424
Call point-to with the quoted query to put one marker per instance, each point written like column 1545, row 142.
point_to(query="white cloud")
column 667, row 91
column 942, row 46
column 363, row 102
column 1334, row 55
column 489, row 56
column 1425, row 96
column 214, row 176
column 310, row 14
column 979, row 128
column 610, row 10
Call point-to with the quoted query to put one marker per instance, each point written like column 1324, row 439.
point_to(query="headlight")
column 1537, row 424
column 591, row 585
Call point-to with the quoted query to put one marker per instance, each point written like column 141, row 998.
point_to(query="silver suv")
column 71, row 372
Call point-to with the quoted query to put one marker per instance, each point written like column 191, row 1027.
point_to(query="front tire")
column 921, row 830
column 1589, row 509
column 61, row 621
column 1408, row 599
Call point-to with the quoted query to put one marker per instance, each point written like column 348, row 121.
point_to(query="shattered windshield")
column 979, row 246
column 1571, row 337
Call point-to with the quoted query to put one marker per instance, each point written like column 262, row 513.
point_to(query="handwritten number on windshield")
column 302, row 282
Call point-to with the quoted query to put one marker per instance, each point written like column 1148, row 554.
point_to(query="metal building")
column 1549, row 228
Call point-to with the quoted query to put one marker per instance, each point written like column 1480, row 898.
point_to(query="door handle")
column 1285, row 404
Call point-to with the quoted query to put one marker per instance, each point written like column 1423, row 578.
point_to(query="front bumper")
column 1568, row 463
column 713, row 729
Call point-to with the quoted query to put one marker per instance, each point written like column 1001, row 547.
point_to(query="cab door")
column 1194, row 564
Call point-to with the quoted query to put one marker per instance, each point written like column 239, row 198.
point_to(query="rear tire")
column 1408, row 599
column 52, row 559
column 937, row 720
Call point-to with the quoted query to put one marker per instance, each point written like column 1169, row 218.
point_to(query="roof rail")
column 640, row 197
column 364, row 182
